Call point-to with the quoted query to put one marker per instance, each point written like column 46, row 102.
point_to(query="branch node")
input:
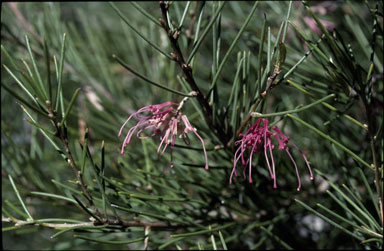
column 174, row 57
column 163, row 23
column 176, row 34
column 170, row 34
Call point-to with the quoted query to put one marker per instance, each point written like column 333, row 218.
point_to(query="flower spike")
column 165, row 120
column 252, row 141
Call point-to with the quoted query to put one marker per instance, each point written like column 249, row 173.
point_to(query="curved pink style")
column 165, row 120
column 251, row 142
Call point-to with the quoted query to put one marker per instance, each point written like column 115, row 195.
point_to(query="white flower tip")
column 298, row 189
column 312, row 177
column 193, row 93
column 255, row 114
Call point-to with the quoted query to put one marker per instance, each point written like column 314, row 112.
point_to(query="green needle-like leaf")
column 73, row 190
column 13, row 64
column 98, row 176
column 16, row 209
column 59, row 93
column 40, row 82
column 19, row 197
column 56, row 196
column 361, row 208
column 85, row 226
column 233, row 44
column 259, row 115
column 339, row 217
column 223, row 241
column 213, row 242
column 161, row 198
column 86, row 210
column 124, row 18
column 330, row 107
column 365, row 214
column 69, row 107
column 84, row 155
column 368, row 187
column 172, row 241
column 286, row 22
column 108, row 242
column 20, row 84
column 146, row 79
column 148, row 214
column 24, row 102
column 329, row 220
column 41, row 127
column 203, row 231
column 45, row 135
column 260, row 57
column 355, row 156
column 184, row 14
column 205, row 33
column 145, row 13
column 48, row 66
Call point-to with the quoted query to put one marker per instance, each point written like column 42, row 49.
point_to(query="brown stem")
column 377, row 178
column 144, row 224
column 374, row 159
column 178, row 57
column 371, row 132
column 187, row 70
column 64, row 139
column 121, row 223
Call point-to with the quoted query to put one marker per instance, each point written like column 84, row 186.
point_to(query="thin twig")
column 62, row 134
column 375, row 165
column 177, row 56
column 120, row 223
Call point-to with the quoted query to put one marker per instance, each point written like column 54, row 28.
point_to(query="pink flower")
column 165, row 120
column 313, row 25
column 252, row 141
column 325, row 7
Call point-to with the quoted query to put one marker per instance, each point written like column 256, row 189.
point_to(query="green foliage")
column 72, row 73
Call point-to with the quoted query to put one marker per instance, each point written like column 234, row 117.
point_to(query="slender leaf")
column 108, row 242
column 124, row 18
column 233, row 44
column 355, row 156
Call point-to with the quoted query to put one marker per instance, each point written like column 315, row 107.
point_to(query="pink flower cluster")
column 168, row 121
column 165, row 120
column 251, row 142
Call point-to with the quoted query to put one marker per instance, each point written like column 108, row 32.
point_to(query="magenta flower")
column 165, row 120
column 252, row 141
